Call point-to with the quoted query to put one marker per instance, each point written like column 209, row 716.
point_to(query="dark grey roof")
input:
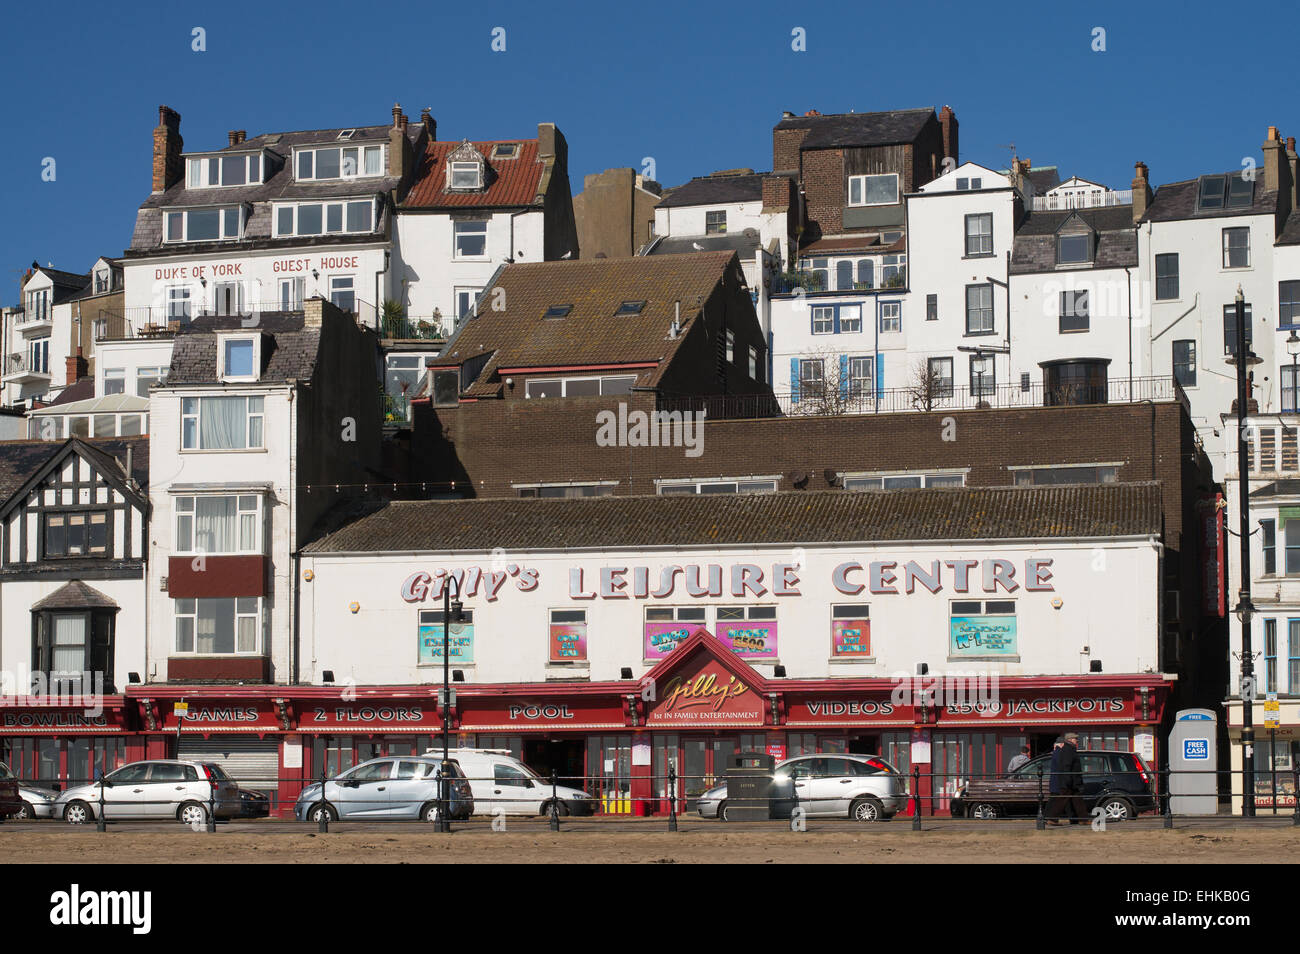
column 19, row 460
column 1290, row 234
column 859, row 129
column 779, row 518
column 72, row 280
column 81, row 391
column 1177, row 200
column 147, row 235
column 707, row 190
column 745, row 242
column 1043, row 179
column 1034, row 248
column 1289, row 487
column 75, row 595
column 288, row 349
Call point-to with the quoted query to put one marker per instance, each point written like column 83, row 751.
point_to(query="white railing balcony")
column 1082, row 200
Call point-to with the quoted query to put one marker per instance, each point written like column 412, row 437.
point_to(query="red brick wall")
column 823, row 185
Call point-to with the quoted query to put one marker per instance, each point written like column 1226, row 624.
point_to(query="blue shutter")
column 880, row 376
column 836, row 319
column 844, row 376
column 794, row 380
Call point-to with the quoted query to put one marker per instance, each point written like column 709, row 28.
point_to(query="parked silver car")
column 157, row 789
column 391, row 787
column 37, row 802
column 860, row 787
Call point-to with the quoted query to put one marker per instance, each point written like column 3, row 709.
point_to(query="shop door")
column 562, row 756
column 694, row 771
column 609, row 761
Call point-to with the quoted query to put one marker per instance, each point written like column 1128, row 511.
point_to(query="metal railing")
column 413, row 328
column 1082, row 200
column 846, row 400
column 20, row 363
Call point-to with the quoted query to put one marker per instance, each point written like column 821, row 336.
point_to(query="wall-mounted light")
column 1094, row 665
column 327, row 676
column 133, row 678
column 625, row 672
column 922, row 669
column 1057, row 603
column 458, row 675
column 315, row 274
column 308, row 575
column 353, row 607
column 779, row 672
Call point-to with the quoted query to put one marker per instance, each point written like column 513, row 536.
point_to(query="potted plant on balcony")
column 392, row 318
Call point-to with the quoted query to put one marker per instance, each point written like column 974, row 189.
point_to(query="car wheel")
column 546, row 809
column 431, row 812
column 319, row 810
column 722, row 812
column 1117, row 809
column 192, row 813
column 983, row 810
column 867, row 809
column 77, row 813
column 25, row 813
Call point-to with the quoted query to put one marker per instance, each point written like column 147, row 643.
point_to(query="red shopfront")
column 64, row 743
column 618, row 740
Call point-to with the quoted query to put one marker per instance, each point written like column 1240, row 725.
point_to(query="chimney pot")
column 1272, row 132
column 397, row 114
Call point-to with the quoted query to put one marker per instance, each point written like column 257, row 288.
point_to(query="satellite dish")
column 832, row 477
column 798, row 477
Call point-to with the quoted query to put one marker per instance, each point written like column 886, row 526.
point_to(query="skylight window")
column 558, row 311
column 1240, row 192
column 505, row 150
column 630, row 308
column 1212, row 192
column 347, row 134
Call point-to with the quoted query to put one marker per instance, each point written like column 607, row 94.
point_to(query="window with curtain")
column 71, row 643
column 218, row 524
column 222, row 423
column 225, row 626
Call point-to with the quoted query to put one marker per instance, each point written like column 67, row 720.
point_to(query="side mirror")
column 106, row 782
column 528, row 783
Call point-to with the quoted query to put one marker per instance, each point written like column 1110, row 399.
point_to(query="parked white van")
column 500, row 781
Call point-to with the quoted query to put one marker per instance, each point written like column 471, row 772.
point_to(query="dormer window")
column 334, row 162
column 239, row 358
column 1074, row 249
column 203, row 225
column 465, row 175
column 101, row 281
column 211, row 171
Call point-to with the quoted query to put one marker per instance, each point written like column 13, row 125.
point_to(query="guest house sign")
column 740, row 580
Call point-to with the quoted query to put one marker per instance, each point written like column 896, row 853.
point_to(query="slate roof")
column 1290, row 234
column 986, row 513
column 1177, row 200
column 521, row 337
column 288, row 349
column 146, row 239
column 714, row 190
column 511, row 183
column 19, row 460
column 82, row 390
column 1288, row 487
column 1034, row 247
column 1043, row 179
column 745, row 243
column 75, row 595
column 859, row 129
column 73, row 280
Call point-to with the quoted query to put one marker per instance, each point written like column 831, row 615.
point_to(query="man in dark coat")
column 1067, row 783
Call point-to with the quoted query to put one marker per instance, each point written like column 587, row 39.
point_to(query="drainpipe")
column 875, row 360
column 1128, row 279
column 294, row 409
column 379, row 296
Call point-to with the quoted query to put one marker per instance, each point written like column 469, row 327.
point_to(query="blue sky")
column 697, row 86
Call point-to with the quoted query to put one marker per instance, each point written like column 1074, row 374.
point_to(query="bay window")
column 340, row 162
column 69, row 645
column 217, row 524
column 221, row 423
column 325, row 218
column 224, row 626
column 203, row 225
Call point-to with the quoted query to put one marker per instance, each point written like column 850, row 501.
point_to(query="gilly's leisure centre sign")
column 740, row 580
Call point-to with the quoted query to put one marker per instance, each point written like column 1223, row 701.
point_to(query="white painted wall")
column 511, row 632
column 130, row 356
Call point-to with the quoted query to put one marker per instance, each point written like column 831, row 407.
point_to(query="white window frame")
column 729, row 485
column 155, row 373
column 224, row 342
column 564, row 383
column 343, row 205
column 205, row 165
column 850, row 317
column 876, row 480
column 179, row 614
column 117, row 376
column 254, row 424
column 221, row 211
column 460, row 167
column 1227, row 248
column 295, row 288
column 891, row 317
column 731, row 347
column 605, row 488
column 481, row 227
column 823, row 319
column 362, row 149
column 248, row 505
column 861, row 182
column 753, row 363
column 352, row 280
column 180, row 295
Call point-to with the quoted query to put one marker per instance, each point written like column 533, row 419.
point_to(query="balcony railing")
column 1082, row 200
column 413, row 328
column 823, row 401
column 20, row 363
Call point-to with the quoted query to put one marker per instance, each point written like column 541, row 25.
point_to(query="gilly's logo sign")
column 704, row 691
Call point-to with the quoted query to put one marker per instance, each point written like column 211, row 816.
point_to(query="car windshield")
column 216, row 771
column 4, row 771
column 1031, row 769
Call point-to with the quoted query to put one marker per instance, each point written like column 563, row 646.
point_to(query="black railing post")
column 1295, row 793
column 323, row 822
column 555, row 804
column 101, row 824
column 1169, row 799
column 212, row 807
column 672, row 797
column 1040, row 823
column 916, row 798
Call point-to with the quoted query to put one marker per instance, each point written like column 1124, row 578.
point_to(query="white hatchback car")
column 500, row 781
column 157, row 789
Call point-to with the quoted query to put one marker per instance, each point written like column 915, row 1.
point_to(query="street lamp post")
column 1245, row 610
column 449, row 607
column 1293, row 349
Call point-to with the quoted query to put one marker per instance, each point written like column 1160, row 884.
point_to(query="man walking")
column 1067, row 783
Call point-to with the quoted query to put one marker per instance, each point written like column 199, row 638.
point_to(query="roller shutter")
column 253, row 763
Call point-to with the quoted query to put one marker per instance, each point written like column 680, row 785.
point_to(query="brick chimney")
column 1142, row 194
column 948, row 122
column 1272, row 160
column 400, row 159
column 168, row 168
column 78, row 367
column 430, row 124
column 236, row 136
